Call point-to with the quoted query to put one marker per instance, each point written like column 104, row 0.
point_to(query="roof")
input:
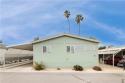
column 2, row 46
column 29, row 46
column 18, row 52
column 69, row 35
column 25, row 46
column 111, row 50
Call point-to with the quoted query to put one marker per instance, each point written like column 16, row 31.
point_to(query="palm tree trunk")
column 79, row 28
column 69, row 25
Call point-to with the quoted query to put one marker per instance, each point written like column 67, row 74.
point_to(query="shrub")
column 97, row 68
column 78, row 68
column 58, row 68
column 39, row 66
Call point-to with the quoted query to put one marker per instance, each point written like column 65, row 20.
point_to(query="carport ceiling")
column 27, row 46
column 108, row 52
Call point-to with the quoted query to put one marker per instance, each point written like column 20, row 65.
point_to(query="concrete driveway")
column 59, row 77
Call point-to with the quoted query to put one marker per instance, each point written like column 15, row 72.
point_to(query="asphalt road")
column 59, row 77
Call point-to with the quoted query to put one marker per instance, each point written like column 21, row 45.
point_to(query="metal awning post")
column 18, row 56
column 113, row 60
column 4, row 60
column 103, row 59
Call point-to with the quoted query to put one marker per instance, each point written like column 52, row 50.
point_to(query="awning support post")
column 103, row 58
column 113, row 60
column 4, row 60
column 18, row 56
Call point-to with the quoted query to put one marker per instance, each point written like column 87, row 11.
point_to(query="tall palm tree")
column 37, row 38
column 78, row 19
column 1, row 41
column 67, row 14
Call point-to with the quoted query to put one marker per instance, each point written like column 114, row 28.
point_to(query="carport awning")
column 27, row 46
column 109, row 52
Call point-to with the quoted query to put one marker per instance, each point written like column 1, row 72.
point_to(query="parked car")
column 110, row 60
column 120, row 63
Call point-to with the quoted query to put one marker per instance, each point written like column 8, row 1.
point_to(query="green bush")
column 78, row 68
column 97, row 68
column 39, row 66
column 58, row 68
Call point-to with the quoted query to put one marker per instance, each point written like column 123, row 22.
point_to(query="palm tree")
column 92, row 38
column 67, row 14
column 79, row 18
column 37, row 38
column 1, row 41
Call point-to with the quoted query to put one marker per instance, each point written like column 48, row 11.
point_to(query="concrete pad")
column 59, row 77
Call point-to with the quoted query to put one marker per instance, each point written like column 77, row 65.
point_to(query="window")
column 79, row 48
column 46, row 49
column 70, row 49
column 90, row 47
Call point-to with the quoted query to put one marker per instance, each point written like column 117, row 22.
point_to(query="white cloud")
column 47, row 12
column 118, row 32
column 9, row 32
column 10, row 10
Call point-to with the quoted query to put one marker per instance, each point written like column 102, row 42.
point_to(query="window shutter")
column 44, row 49
column 68, row 48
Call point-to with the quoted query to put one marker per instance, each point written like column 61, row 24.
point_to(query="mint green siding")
column 59, row 56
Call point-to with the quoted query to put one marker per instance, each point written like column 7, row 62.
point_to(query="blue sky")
column 23, row 20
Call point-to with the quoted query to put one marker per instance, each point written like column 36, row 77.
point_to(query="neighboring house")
column 2, row 52
column 65, row 51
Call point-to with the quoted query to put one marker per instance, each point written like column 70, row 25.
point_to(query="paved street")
column 59, row 77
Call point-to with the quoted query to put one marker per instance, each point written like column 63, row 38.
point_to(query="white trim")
column 11, row 46
column 60, row 35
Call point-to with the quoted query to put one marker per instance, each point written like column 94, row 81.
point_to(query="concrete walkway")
column 25, row 74
column 59, row 77
column 28, row 68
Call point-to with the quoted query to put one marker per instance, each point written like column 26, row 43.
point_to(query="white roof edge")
column 110, row 49
column 9, row 46
column 65, row 34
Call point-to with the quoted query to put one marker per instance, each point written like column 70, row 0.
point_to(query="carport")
column 18, row 55
column 111, row 52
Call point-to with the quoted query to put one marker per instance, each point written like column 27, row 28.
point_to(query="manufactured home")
column 65, row 51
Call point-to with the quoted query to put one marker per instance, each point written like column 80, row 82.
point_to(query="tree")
column 105, row 47
column 37, row 38
column 110, row 46
column 92, row 37
column 67, row 14
column 102, row 47
column 78, row 19
column 1, row 41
